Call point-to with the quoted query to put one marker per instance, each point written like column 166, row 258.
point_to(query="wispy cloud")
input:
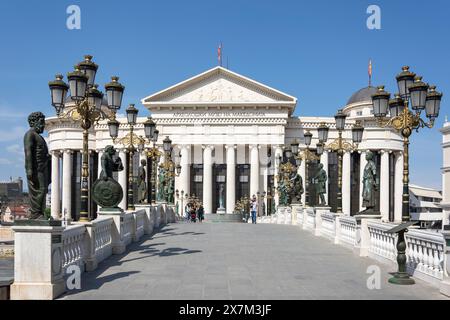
column 4, row 161
column 16, row 150
column 13, row 134
column 7, row 112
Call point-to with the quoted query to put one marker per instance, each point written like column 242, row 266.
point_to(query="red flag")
column 370, row 72
column 219, row 54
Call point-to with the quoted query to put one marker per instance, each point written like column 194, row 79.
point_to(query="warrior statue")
column 37, row 164
column 297, row 190
column 142, row 185
column 107, row 192
column 284, row 189
column 370, row 185
column 320, row 181
column 161, row 185
column 169, row 190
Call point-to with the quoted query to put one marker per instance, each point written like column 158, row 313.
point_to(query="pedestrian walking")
column 254, row 208
column 201, row 213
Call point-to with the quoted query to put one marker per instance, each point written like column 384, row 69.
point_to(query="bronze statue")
column 284, row 189
column 297, row 189
column 370, row 185
column 161, row 185
column 37, row 164
column 320, row 180
column 142, row 185
column 107, row 192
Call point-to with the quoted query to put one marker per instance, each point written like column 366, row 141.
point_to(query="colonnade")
column 61, row 188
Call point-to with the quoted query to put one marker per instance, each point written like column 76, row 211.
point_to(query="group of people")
column 193, row 213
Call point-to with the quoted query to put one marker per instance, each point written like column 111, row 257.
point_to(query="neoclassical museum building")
column 230, row 131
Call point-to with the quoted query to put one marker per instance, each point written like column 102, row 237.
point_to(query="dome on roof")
column 365, row 94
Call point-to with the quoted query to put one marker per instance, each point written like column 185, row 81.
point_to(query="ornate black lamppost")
column 130, row 142
column 421, row 96
column 340, row 146
column 306, row 155
column 154, row 154
column 86, row 108
column 171, row 169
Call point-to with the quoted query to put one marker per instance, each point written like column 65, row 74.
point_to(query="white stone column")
column 122, row 177
column 346, row 184
column 100, row 154
column 207, row 179
column 384, row 186
column 324, row 162
column 67, row 185
column 231, row 178
column 302, row 171
column 185, row 169
column 55, row 196
column 362, row 163
column 398, row 195
column 278, row 152
column 254, row 170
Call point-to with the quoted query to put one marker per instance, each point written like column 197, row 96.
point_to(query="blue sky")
column 315, row 50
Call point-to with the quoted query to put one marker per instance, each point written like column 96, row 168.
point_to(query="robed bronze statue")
column 142, row 185
column 37, row 164
column 370, row 185
column 320, row 181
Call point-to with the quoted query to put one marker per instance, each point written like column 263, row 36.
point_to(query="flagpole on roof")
column 370, row 72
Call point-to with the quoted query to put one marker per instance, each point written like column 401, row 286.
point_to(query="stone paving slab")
column 240, row 261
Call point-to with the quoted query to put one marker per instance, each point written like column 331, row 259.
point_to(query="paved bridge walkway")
column 239, row 261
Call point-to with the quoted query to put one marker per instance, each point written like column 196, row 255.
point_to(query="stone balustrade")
column 73, row 247
column 347, row 230
column 328, row 228
column 382, row 244
column 425, row 252
column 428, row 257
column 80, row 244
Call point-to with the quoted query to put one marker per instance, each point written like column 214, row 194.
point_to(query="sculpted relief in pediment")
column 221, row 90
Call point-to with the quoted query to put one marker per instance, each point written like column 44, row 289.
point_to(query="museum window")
column 242, row 181
column 197, row 180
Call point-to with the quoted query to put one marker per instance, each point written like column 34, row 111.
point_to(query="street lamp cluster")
column 86, row 107
column 420, row 96
column 340, row 145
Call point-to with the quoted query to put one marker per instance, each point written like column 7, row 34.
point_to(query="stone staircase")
column 216, row 218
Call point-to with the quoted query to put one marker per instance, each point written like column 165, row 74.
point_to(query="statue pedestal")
column 117, row 214
column 362, row 234
column 319, row 211
column 149, row 217
column 281, row 210
column 38, row 257
column 297, row 214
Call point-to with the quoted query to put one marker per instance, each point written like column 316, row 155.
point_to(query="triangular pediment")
column 219, row 86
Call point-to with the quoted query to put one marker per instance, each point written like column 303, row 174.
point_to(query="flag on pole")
column 219, row 54
column 370, row 72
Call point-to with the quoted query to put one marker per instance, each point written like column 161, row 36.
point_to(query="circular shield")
column 107, row 194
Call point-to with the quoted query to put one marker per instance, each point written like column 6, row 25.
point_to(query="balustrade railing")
column 128, row 228
column 328, row 226
column 102, row 238
column 73, row 246
column 347, row 230
column 382, row 244
column 425, row 252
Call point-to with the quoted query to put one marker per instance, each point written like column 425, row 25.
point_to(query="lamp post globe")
column 78, row 84
column 132, row 113
column 89, row 68
column 58, row 90
column 114, row 93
